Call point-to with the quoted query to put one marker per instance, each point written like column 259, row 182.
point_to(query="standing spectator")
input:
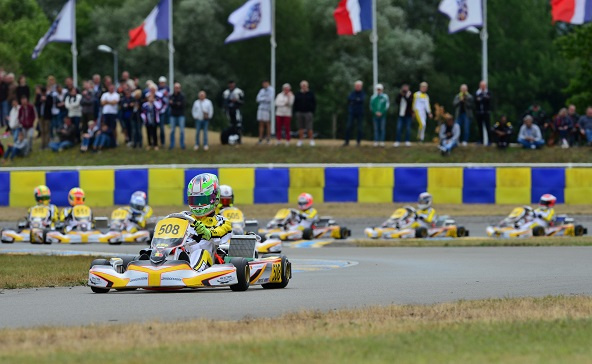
column 137, row 119
column 234, row 98
column 576, row 134
column 97, row 91
column 53, row 102
column 103, row 138
column 13, row 119
column 127, row 109
column 27, row 117
column 530, row 135
column 379, row 105
column 563, row 125
column 355, row 110
column 89, row 136
column 151, row 118
column 88, row 105
column 66, row 134
column 12, row 85
column 72, row 103
column 539, row 117
column 405, row 101
column 163, row 95
column 63, row 112
column 483, row 103
column 19, row 148
column 422, row 109
column 264, row 98
column 4, row 102
column 39, row 104
column 585, row 123
column 22, row 89
column 449, row 135
column 126, row 81
column 502, row 131
column 177, row 101
column 284, row 102
column 110, row 101
column 68, row 84
column 305, row 105
column 202, row 112
column 463, row 105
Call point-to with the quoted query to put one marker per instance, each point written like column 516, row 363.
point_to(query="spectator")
column 502, row 131
column 18, row 149
column 22, row 89
column 305, row 105
column 127, row 109
column 151, row 118
column 463, row 106
column 202, row 112
column 422, row 109
column 97, row 92
column 379, row 105
column 233, row 100
column 126, row 81
column 74, row 108
column 563, row 125
column 110, row 101
column 4, row 102
column 12, row 85
column 483, row 103
column 163, row 95
column 449, row 135
column 137, row 119
column 39, row 104
column 530, row 135
column 103, row 138
column 53, row 101
column 576, row 134
column 177, row 102
column 355, row 109
column 540, row 118
column 68, row 84
column 585, row 123
column 66, row 134
column 89, row 136
column 405, row 101
column 88, row 105
column 27, row 117
column 264, row 99
column 13, row 119
column 63, row 112
column 284, row 102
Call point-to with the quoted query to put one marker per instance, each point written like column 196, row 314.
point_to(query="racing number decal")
column 119, row 214
column 276, row 273
column 233, row 215
column 39, row 211
column 81, row 211
column 171, row 228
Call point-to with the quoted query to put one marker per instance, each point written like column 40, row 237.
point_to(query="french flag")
column 154, row 27
column 353, row 16
column 572, row 11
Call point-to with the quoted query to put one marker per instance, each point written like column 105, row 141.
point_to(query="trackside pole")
column 272, row 80
column 171, row 49
column 374, row 48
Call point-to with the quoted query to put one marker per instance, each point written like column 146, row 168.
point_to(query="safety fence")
column 259, row 184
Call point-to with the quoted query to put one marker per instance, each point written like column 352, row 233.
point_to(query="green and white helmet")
column 203, row 194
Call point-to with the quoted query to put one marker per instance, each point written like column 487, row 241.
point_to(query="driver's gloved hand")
column 202, row 230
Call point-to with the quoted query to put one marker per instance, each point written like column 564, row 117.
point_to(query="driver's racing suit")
column 53, row 214
column 140, row 218
column 545, row 216
column 221, row 230
column 425, row 218
column 68, row 221
column 307, row 218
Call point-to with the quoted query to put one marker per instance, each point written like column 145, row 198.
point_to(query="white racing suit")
column 71, row 221
column 421, row 108
column 545, row 217
column 306, row 219
column 425, row 218
column 221, row 230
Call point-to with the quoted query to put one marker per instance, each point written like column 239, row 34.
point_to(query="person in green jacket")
column 379, row 104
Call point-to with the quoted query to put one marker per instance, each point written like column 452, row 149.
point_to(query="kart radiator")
column 242, row 246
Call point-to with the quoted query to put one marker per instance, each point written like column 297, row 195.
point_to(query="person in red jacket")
column 27, row 116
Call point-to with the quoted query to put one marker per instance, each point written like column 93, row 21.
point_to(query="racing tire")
column 579, row 230
column 243, row 274
column 538, row 231
column 286, row 275
column 44, row 237
column 344, row 233
column 99, row 262
column 307, row 234
column 4, row 241
column 461, row 232
column 421, row 233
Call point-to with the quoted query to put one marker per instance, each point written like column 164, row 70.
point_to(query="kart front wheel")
column 99, row 262
column 286, row 275
column 538, row 231
column 461, row 232
column 421, row 232
column 578, row 230
column 344, row 233
column 307, row 234
column 243, row 274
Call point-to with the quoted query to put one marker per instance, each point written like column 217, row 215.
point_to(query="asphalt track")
column 374, row 276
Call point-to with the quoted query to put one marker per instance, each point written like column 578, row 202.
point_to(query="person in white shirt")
column 264, row 98
column 422, row 109
column 110, row 103
column 72, row 103
column 202, row 112
column 283, row 113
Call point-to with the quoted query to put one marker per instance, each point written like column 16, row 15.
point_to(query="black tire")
column 538, row 231
column 461, row 232
column 45, row 231
column 421, row 233
column 4, row 242
column 31, row 238
column 307, row 234
column 344, row 232
column 243, row 274
column 579, row 230
column 99, row 262
column 286, row 275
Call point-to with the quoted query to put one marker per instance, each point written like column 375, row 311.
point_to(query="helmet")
column 203, row 194
column 305, row 201
column 547, row 200
column 76, row 196
column 528, row 212
column 42, row 194
column 226, row 195
column 424, row 201
column 138, row 201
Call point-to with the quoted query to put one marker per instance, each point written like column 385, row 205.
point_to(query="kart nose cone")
column 158, row 256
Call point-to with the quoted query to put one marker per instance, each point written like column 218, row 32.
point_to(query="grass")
column 522, row 330
column 28, row 271
column 326, row 151
column 475, row 242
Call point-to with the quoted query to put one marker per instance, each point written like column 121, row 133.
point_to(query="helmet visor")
column 201, row 200
column 226, row 201
column 43, row 198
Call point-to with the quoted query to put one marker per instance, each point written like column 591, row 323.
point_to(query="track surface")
column 383, row 276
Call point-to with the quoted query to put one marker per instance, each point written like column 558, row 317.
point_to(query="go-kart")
column 515, row 225
column 402, row 224
column 284, row 227
column 165, row 266
column 80, row 230
column 33, row 229
column 240, row 226
column 122, row 229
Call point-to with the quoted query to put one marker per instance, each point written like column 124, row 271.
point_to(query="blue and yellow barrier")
column 452, row 184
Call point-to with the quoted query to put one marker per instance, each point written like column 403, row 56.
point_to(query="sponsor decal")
column 253, row 17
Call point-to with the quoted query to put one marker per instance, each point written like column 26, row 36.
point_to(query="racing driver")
column 426, row 214
column 307, row 215
column 545, row 212
column 76, row 197
column 43, row 198
column 138, row 209
column 226, row 198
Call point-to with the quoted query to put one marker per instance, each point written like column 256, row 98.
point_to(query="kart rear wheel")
column 99, row 262
column 343, row 233
column 461, row 232
column 307, row 234
column 538, row 231
column 44, row 236
column 243, row 274
column 421, row 233
column 286, row 275
column 578, row 230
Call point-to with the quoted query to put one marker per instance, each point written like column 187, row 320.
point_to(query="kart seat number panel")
column 171, row 228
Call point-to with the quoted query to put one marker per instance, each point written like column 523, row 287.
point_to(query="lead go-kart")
column 33, row 229
column 402, row 225
column 516, row 226
column 165, row 266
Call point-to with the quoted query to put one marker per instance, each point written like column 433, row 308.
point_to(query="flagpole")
column 273, row 46
column 374, row 47
column 73, row 48
column 171, row 49
column 484, row 37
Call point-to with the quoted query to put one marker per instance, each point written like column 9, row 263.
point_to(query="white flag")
column 462, row 13
column 61, row 30
column 253, row 19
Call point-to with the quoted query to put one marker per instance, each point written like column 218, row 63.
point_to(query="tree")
column 577, row 46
